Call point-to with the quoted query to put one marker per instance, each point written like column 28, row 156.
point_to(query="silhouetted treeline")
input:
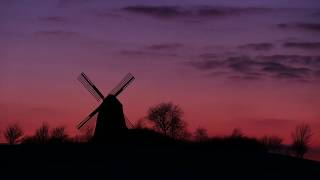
column 57, row 135
column 165, row 123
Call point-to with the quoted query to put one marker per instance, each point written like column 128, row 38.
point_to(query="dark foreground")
column 143, row 161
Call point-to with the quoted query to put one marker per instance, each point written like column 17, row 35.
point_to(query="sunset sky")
column 246, row 64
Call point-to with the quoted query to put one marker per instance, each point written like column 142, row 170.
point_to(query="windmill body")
column 111, row 121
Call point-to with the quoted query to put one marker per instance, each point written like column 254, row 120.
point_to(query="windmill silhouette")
column 111, row 121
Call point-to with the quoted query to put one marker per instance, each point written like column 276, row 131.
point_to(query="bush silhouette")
column 272, row 143
column 58, row 135
column 42, row 134
column 301, row 138
column 237, row 133
column 13, row 133
column 201, row 134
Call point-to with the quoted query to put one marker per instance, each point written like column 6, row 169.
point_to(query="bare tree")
column 59, row 134
column 13, row 133
column 301, row 138
column 42, row 134
column 272, row 143
column 167, row 119
column 201, row 134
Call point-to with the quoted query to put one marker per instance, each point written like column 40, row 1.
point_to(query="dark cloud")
column 169, row 46
column 310, row 61
column 156, row 50
column 242, row 64
column 303, row 45
column 128, row 52
column 257, row 46
column 146, row 53
column 207, row 64
column 248, row 68
column 312, row 27
column 167, row 12
column 158, row 11
column 246, row 77
column 284, row 71
column 208, row 56
column 109, row 15
column 209, row 11
column 56, row 33
column 226, row 11
column 283, row 57
column 54, row 19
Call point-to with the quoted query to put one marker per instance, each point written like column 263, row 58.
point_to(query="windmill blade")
column 83, row 122
column 88, row 84
column 122, row 85
column 88, row 87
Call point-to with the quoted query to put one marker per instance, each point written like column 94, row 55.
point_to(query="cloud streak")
column 257, row 46
column 300, row 60
column 280, row 70
column 207, row 64
column 60, row 33
column 289, row 67
column 54, row 19
column 146, row 53
column 158, row 11
column 303, row 45
column 310, row 27
column 163, row 47
column 170, row 12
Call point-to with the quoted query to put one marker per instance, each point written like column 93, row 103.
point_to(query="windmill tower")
column 111, row 122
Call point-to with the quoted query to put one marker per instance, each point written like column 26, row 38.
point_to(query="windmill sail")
column 88, row 84
column 99, row 96
column 122, row 85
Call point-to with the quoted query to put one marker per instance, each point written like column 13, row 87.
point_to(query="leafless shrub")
column 201, row 134
column 42, row 134
column 13, row 133
column 301, row 138
column 59, row 135
column 237, row 133
column 272, row 143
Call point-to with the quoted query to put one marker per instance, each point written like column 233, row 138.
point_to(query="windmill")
column 109, row 108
